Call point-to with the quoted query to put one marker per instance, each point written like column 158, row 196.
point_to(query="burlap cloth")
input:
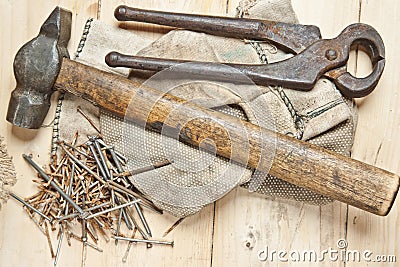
column 7, row 173
column 321, row 116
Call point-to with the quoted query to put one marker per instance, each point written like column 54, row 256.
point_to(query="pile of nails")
column 87, row 186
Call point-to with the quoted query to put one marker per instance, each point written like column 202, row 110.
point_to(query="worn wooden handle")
column 303, row 164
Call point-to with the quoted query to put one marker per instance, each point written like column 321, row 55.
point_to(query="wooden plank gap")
column 98, row 9
column 360, row 2
column 212, row 234
column 346, row 225
column 359, row 9
column 227, row 7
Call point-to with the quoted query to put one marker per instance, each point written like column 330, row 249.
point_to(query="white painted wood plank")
column 377, row 136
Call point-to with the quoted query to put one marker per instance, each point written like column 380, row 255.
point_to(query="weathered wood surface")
column 231, row 232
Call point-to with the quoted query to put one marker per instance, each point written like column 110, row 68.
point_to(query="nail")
column 84, row 233
column 142, row 233
column 75, row 138
column 124, row 214
column 117, row 163
column 74, row 236
column 96, row 158
column 119, row 224
column 60, row 164
column 78, row 150
column 129, row 246
column 88, row 119
column 145, row 169
column 172, row 227
column 59, row 245
column 102, row 205
column 84, row 254
column 102, row 158
column 93, row 184
column 71, row 180
column 47, row 208
column 100, row 223
column 92, row 232
column 68, row 236
column 100, row 227
column 94, row 246
column 49, row 240
column 119, row 155
column 29, row 206
column 113, row 198
column 112, row 209
column 35, row 196
column 144, row 241
column 143, row 219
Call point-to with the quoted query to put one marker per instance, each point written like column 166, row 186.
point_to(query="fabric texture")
column 8, row 177
column 321, row 116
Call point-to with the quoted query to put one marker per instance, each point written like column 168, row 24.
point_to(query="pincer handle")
column 293, row 38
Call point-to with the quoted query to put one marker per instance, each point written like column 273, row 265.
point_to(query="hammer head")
column 36, row 67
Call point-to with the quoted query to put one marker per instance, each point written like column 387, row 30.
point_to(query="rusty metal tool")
column 41, row 66
column 313, row 57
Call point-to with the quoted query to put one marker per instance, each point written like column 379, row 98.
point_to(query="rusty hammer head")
column 36, row 67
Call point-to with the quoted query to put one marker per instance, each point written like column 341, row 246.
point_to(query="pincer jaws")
column 367, row 39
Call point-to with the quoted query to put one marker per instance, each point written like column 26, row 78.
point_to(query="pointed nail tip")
column 27, row 157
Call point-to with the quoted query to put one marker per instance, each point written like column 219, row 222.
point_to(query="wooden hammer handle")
column 303, row 164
